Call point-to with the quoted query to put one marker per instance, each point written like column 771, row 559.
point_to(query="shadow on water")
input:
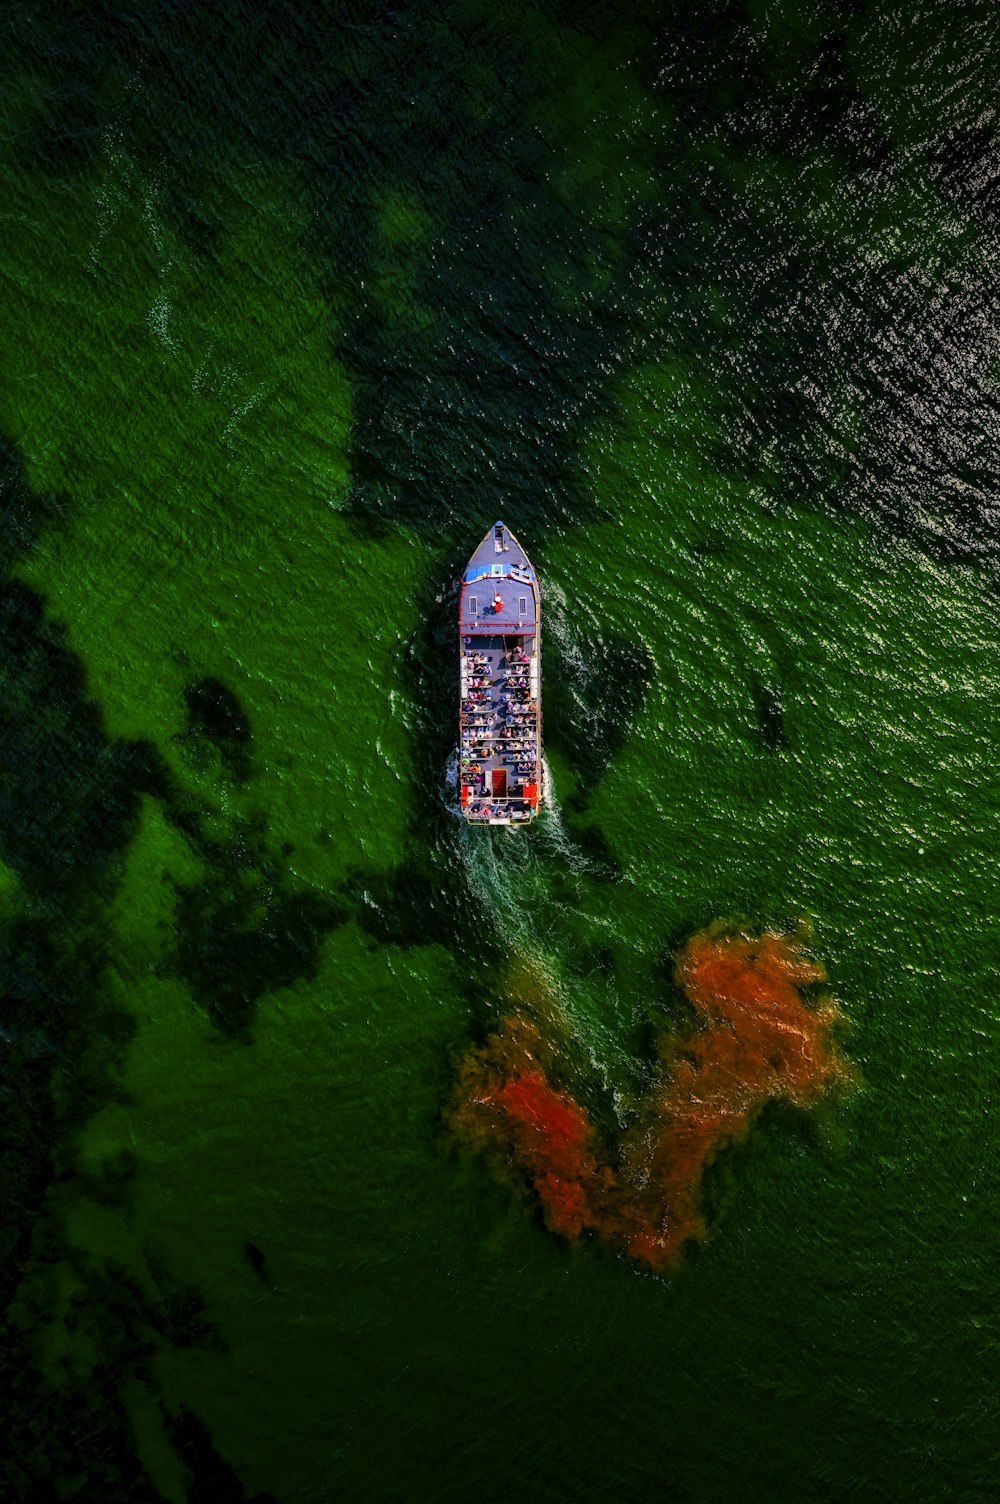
column 594, row 690
column 212, row 1481
column 239, row 940
column 470, row 381
column 870, row 397
column 473, row 367
column 215, row 714
column 768, row 704
column 69, row 809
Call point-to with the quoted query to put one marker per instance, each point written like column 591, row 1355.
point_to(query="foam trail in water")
column 499, row 864
column 507, row 867
column 449, row 787
column 510, row 872
column 552, row 833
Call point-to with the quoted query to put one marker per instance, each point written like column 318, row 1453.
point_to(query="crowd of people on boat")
column 480, row 811
column 500, row 728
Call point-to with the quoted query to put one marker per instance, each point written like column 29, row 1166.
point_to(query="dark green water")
column 702, row 299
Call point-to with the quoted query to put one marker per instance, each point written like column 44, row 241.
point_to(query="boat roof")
column 499, row 588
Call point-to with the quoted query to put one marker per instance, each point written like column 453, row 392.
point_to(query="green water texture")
column 701, row 299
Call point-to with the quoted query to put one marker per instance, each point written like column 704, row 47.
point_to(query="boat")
column 500, row 671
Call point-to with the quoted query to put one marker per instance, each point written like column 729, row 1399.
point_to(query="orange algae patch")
column 549, row 1134
column 506, row 1106
column 762, row 1040
column 756, row 1040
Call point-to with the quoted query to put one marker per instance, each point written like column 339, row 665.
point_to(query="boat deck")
column 500, row 723
column 500, row 730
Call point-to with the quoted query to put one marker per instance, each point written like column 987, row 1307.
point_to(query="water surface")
column 702, row 300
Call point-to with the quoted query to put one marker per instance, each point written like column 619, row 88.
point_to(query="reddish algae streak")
column 756, row 1041
column 506, row 1106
